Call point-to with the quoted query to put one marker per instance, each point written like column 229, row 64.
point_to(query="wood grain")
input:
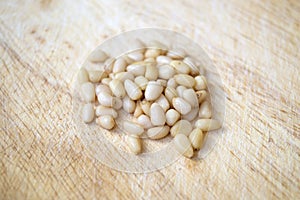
column 253, row 44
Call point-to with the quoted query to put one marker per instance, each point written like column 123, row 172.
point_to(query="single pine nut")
column 141, row 81
column 170, row 93
column 108, row 65
column 106, row 81
column 106, row 121
column 144, row 121
column 128, row 105
column 136, row 56
column 151, row 72
column 180, row 89
column 171, row 83
column 201, row 95
column 132, row 90
column 132, row 128
column 138, row 110
column 181, row 127
column 145, row 105
column 88, row 91
column 162, row 82
column 82, row 76
column 159, row 132
column 183, row 145
column 103, row 88
column 163, row 102
column 177, row 53
column 205, row 111
column 119, row 65
column 172, row 116
column 96, row 75
column 166, row 72
column 149, row 60
column 134, row 144
column 137, row 69
column 192, row 114
column 200, row 83
column 163, row 59
column 102, row 110
column 88, row 113
column 185, row 80
column 152, row 53
column 181, row 105
column 190, row 96
column 117, row 88
column 196, row 138
column 106, row 99
column 118, row 104
column 97, row 56
column 153, row 91
column 207, row 124
column 180, row 67
column 122, row 76
column 194, row 69
column 157, row 115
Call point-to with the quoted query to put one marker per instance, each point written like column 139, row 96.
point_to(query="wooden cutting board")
column 253, row 44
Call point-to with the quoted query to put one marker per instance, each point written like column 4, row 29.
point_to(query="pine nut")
column 205, row 111
column 151, row 72
column 132, row 90
column 96, row 75
column 180, row 89
column 145, row 105
column 207, row 124
column 102, row 110
column 163, row 102
column 152, row 53
column 108, row 65
column 128, row 105
column 192, row 114
column 170, row 93
column 106, row 81
column 106, row 121
column 153, row 91
column 136, row 56
column 172, row 116
column 159, row 132
column 201, row 95
column 134, row 144
column 180, row 67
column 82, row 76
column 88, row 92
column 117, row 88
column 196, row 138
column 118, row 105
column 97, row 56
column 136, row 69
column 141, row 81
column 103, row 88
column 106, row 99
column 194, row 69
column 159, row 46
column 190, row 96
column 162, row 82
column 172, row 83
column 122, row 76
column 166, row 72
column 183, row 145
column 200, row 83
column 181, row 127
column 163, row 59
column 138, row 110
column 119, row 65
column 177, row 53
column 181, row 105
column 132, row 128
column 144, row 121
column 149, row 60
column 185, row 80
column 88, row 113
column 157, row 115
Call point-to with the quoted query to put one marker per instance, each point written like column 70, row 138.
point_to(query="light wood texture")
column 254, row 45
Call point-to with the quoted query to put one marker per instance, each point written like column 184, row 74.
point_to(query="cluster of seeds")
column 163, row 91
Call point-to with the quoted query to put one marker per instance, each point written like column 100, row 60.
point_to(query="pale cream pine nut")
column 96, row 75
column 185, row 80
column 205, row 111
column 149, row 60
column 136, row 56
column 144, row 121
column 119, row 103
column 119, row 65
column 194, row 69
column 166, row 72
column 137, row 69
column 170, row 93
column 82, row 76
column 117, row 88
column 132, row 90
column 157, row 115
column 163, row 102
column 190, row 96
column 172, row 83
column 106, row 99
column 151, row 72
column 88, row 113
column 152, row 53
column 192, row 114
column 106, row 121
column 145, row 105
column 163, row 59
column 141, row 81
column 108, row 65
column 132, row 128
column 135, row 144
column 138, row 110
column 128, row 105
column 183, row 145
column 200, row 83
column 159, row 132
column 103, row 110
column 162, row 82
column 180, row 67
column 172, row 116
column 207, row 124
column 103, row 88
column 201, row 95
column 158, row 45
column 196, row 138
column 97, row 56
column 106, row 81
column 153, row 91
column 176, row 53
column 122, row 76
column 181, row 127
column 182, row 106
column 180, row 89
column 88, row 91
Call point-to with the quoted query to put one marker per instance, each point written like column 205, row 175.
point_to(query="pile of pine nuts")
column 162, row 90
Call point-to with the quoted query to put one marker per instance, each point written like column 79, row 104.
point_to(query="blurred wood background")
column 254, row 45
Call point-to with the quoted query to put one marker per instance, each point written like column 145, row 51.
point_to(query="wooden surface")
column 254, row 45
